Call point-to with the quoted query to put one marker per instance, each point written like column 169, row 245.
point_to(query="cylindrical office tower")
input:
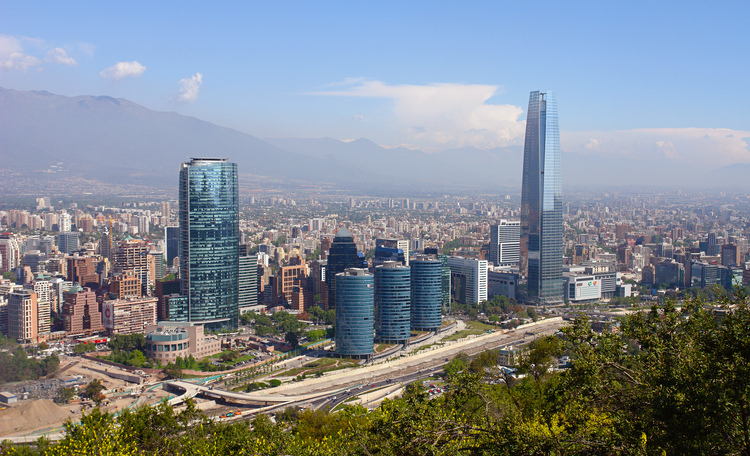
column 426, row 293
column 393, row 302
column 355, row 297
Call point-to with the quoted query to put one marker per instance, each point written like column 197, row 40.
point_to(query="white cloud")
column 58, row 55
column 707, row 147
column 123, row 70
column 189, row 88
column 444, row 115
column 12, row 55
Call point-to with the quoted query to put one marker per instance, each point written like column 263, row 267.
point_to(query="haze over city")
column 643, row 88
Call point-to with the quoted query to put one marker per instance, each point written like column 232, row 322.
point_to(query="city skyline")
column 335, row 71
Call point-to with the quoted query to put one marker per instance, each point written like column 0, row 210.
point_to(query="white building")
column 505, row 245
column 582, row 287
column 468, row 279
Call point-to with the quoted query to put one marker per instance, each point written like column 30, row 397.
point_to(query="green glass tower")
column 209, row 239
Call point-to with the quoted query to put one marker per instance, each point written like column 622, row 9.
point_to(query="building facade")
column 128, row 316
column 541, row 243
column 393, row 303
column 168, row 340
column 22, row 316
column 355, row 300
column 248, row 282
column 505, row 239
column 209, row 240
column 468, row 279
column 341, row 256
column 426, row 293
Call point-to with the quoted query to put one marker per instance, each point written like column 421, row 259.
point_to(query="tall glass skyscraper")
column 209, row 241
column 426, row 293
column 541, row 203
column 392, row 302
column 355, row 301
column 342, row 256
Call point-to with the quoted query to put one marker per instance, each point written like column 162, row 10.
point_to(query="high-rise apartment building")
column 10, row 252
column 505, row 243
column 132, row 257
column 22, row 316
column 209, row 239
column 541, row 204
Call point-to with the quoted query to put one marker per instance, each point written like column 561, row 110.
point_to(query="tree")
column 93, row 391
column 84, row 348
column 292, row 339
column 173, row 370
column 65, row 394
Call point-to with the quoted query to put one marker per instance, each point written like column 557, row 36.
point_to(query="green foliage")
column 84, row 348
column 93, row 391
column 315, row 334
column 17, row 366
column 686, row 390
column 65, row 394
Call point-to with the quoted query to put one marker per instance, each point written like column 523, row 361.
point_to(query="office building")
column 248, row 283
column 541, row 204
column 502, row 282
column 128, row 316
column 22, row 316
column 168, row 340
column 397, row 244
column 426, row 293
column 172, row 235
column 505, row 243
column 468, row 279
column 80, row 313
column 393, row 303
column 355, row 299
column 209, row 236
column 67, row 242
column 582, row 287
column 342, row 256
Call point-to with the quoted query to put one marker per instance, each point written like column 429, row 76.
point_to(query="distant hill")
column 115, row 140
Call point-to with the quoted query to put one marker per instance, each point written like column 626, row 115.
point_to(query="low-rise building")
column 167, row 340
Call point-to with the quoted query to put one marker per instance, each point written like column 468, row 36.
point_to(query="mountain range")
column 116, row 141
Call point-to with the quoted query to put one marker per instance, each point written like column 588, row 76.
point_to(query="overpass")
column 191, row 390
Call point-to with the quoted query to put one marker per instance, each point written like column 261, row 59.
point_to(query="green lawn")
column 319, row 366
column 479, row 325
column 463, row 333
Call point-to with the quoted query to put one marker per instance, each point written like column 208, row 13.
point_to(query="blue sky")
column 632, row 78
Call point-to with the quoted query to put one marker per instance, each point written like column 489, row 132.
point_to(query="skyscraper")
column 172, row 233
column 541, row 203
column 354, row 313
column 342, row 256
column 426, row 293
column 393, row 302
column 209, row 236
